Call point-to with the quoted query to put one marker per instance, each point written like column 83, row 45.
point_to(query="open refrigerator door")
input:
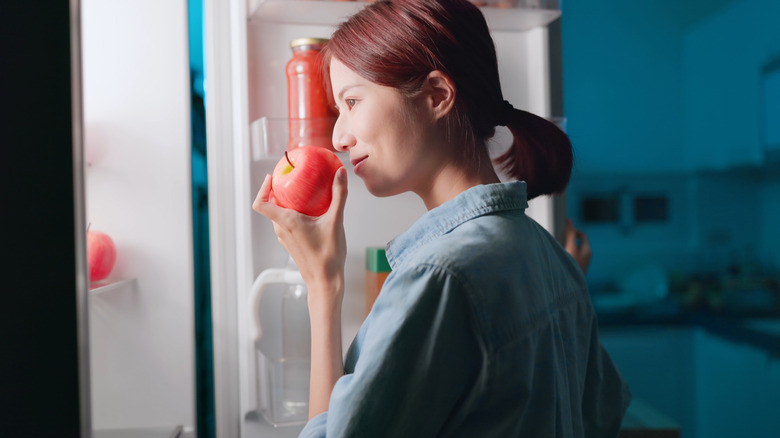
column 247, row 48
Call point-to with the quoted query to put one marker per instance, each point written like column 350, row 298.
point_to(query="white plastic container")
column 282, row 340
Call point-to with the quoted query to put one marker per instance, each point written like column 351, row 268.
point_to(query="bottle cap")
column 307, row 42
column 376, row 260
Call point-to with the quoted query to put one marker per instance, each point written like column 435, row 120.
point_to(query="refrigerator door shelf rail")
column 517, row 15
column 269, row 137
column 104, row 286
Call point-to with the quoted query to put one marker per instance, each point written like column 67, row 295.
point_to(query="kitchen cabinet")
column 722, row 98
column 738, row 389
column 711, row 386
column 656, row 363
column 679, row 89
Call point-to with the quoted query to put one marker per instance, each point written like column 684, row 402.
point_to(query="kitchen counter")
column 759, row 328
column 644, row 421
column 715, row 372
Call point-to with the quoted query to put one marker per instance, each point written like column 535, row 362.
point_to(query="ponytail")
column 540, row 153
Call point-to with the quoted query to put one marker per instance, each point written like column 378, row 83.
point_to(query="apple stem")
column 89, row 225
column 288, row 159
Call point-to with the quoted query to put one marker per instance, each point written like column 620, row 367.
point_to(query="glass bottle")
column 310, row 112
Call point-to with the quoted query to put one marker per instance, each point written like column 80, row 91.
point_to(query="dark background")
column 39, row 346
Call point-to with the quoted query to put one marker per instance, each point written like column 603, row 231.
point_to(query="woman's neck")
column 453, row 179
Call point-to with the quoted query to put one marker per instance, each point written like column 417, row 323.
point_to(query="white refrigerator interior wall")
column 137, row 145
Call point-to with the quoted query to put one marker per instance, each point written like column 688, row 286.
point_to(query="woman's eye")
column 350, row 103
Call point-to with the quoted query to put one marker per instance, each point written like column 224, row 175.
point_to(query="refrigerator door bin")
column 269, row 137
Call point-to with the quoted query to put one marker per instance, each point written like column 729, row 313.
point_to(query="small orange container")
column 377, row 270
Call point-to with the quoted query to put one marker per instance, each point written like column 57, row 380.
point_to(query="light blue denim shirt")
column 484, row 328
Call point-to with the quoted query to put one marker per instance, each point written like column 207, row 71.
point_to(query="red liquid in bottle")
column 311, row 116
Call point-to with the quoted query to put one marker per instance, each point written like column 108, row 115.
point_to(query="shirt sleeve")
column 316, row 426
column 418, row 362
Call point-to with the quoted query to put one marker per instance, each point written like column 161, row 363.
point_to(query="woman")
column 484, row 328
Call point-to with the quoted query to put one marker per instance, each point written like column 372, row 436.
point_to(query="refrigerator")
column 246, row 51
column 138, row 161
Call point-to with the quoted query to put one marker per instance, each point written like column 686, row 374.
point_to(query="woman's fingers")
column 264, row 202
column 583, row 238
column 576, row 244
column 263, row 195
column 339, row 192
column 301, row 234
column 570, row 237
column 317, row 244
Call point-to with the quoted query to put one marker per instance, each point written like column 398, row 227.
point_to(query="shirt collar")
column 474, row 202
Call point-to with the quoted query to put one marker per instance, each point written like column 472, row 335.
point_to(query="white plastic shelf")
column 501, row 15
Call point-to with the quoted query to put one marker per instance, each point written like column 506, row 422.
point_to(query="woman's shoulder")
column 465, row 263
column 496, row 240
column 439, row 269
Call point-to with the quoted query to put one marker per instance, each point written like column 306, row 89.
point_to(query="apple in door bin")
column 101, row 255
column 303, row 180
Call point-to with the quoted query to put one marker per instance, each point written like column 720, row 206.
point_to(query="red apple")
column 303, row 180
column 101, row 255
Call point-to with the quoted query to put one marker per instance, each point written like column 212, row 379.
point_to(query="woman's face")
column 389, row 137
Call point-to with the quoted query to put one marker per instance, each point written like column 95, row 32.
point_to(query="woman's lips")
column 357, row 163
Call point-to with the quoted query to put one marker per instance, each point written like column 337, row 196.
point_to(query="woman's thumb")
column 339, row 189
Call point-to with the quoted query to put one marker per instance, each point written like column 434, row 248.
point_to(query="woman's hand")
column 317, row 244
column 577, row 245
column 319, row 247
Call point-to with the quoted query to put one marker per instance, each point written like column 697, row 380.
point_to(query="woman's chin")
column 379, row 190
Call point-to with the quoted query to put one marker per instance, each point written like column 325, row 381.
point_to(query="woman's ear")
column 440, row 93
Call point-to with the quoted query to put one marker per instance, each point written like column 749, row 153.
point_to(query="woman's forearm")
column 326, row 353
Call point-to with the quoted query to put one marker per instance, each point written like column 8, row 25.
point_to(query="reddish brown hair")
column 397, row 43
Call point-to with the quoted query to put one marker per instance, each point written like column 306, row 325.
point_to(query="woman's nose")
column 342, row 139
